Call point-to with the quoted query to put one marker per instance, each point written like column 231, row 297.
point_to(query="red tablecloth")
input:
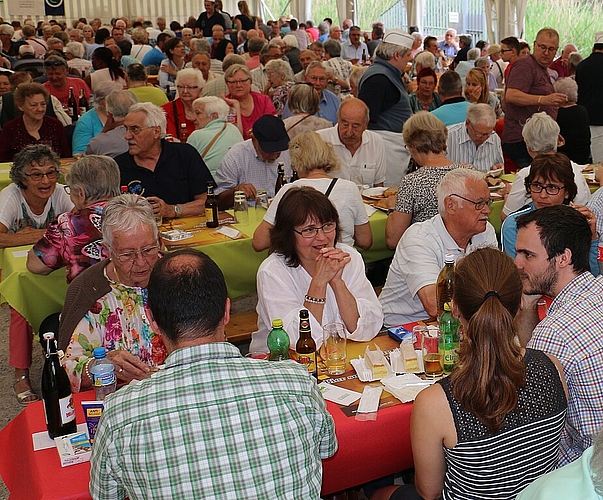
column 367, row 451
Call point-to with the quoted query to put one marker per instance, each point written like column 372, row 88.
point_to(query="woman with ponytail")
column 106, row 69
column 494, row 425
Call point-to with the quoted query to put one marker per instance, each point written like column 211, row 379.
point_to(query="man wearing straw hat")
column 383, row 91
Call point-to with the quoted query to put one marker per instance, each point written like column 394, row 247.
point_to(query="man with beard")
column 361, row 151
column 553, row 246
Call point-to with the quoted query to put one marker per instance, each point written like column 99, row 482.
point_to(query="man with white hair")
column 460, row 227
column 561, row 65
column 10, row 49
column 74, row 53
column 291, row 53
column 449, row 45
column 214, row 135
column 111, row 141
column 383, row 91
column 474, row 141
column 172, row 176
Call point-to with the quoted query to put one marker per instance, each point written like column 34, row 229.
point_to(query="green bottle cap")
column 446, row 307
column 277, row 323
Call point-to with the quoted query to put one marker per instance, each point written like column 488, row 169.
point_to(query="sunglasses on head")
column 50, row 64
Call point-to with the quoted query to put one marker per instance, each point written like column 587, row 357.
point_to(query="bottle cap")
column 447, row 306
column 48, row 336
column 304, row 314
column 277, row 323
column 100, row 353
column 449, row 258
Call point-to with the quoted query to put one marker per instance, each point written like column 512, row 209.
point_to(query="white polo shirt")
column 417, row 262
column 369, row 159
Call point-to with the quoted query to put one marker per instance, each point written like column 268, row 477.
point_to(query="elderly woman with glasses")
column 34, row 126
column 180, row 113
column 249, row 106
column 73, row 240
column 26, row 208
column 309, row 269
column 105, row 305
column 550, row 182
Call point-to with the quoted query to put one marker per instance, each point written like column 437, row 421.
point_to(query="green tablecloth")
column 35, row 296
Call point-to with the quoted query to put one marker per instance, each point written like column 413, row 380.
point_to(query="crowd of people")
column 162, row 113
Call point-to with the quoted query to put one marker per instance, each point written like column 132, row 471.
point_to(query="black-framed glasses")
column 479, row 205
column 187, row 87
column 130, row 256
column 551, row 189
column 38, row 176
column 311, row 232
column 545, row 48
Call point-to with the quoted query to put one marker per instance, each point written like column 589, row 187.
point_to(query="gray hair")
column 255, row 44
column 234, row 68
column 190, row 73
column 315, row 64
column 481, row 113
column 455, row 182
column 98, row 176
column 386, row 50
column 34, row 154
column 426, row 60
column 7, row 29
column 53, row 40
column 291, row 41
column 211, row 105
column 26, row 49
column 103, row 89
column 280, row 68
column 232, row 59
column 482, row 62
column 541, row 133
column 303, row 99
column 473, row 54
column 569, row 87
column 200, row 45
column 154, row 115
column 354, row 101
column 75, row 48
column 126, row 213
column 323, row 28
column 332, row 47
column 139, row 36
column 574, row 59
column 137, row 72
column 119, row 102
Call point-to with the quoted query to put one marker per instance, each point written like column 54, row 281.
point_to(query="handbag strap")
column 212, row 142
column 298, row 122
column 176, row 120
column 330, row 188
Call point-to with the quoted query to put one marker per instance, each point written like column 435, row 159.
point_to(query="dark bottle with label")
column 364, row 58
column 168, row 92
column 444, row 284
column 211, row 208
column 278, row 341
column 280, row 177
column 294, row 177
column 306, row 347
column 56, row 393
column 72, row 106
column 83, row 102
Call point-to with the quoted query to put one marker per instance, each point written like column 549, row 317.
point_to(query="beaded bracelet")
column 314, row 300
column 87, row 369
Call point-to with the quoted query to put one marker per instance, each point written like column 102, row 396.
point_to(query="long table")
column 367, row 450
column 35, row 296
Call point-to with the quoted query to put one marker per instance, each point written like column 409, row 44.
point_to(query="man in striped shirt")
column 211, row 424
column 553, row 245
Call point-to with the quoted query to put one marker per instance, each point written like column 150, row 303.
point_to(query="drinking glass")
column 335, row 348
column 432, row 358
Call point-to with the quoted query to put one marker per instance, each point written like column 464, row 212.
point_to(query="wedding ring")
column 120, row 369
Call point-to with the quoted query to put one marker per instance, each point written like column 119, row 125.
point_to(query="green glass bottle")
column 449, row 339
column 278, row 341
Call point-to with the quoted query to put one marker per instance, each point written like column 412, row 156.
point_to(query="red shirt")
column 262, row 105
column 62, row 94
column 175, row 117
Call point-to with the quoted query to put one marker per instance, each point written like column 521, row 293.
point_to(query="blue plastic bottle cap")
column 100, row 352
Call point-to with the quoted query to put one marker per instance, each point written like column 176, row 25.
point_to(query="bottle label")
column 308, row 360
column 209, row 215
column 67, row 410
column 104, row 379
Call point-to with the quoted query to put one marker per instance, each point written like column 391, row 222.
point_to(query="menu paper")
column 338, row 395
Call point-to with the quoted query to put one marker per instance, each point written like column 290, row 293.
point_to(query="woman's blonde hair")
column 309, row 152
column 478, row 77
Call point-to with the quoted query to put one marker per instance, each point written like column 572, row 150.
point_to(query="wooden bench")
column 241, row 326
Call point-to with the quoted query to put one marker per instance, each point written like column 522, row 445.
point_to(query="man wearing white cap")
column 383, row 91
column 589, row 76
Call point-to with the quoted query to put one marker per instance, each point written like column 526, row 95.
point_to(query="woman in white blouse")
column 309, row 269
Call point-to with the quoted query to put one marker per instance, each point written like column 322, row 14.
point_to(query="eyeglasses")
column 551, row 189
column 38, row 176
column 238, row 82
column 479, row 134
column 146, row 253
column 135, row 129
column 314, row 78
column 544, row 48
column 51, row 64
column 479, row 205
column 311, row 232
column 188, row 88
column 506, row 50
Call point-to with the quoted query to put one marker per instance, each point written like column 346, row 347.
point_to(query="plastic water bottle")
column 278, row 341
column 102, row 372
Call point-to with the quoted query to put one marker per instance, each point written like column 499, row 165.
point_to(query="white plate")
column 497, row 187
column 495, row 173
column 375, row 193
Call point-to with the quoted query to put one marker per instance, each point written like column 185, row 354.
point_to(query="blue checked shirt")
column 573, row 332
column 213, row 424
